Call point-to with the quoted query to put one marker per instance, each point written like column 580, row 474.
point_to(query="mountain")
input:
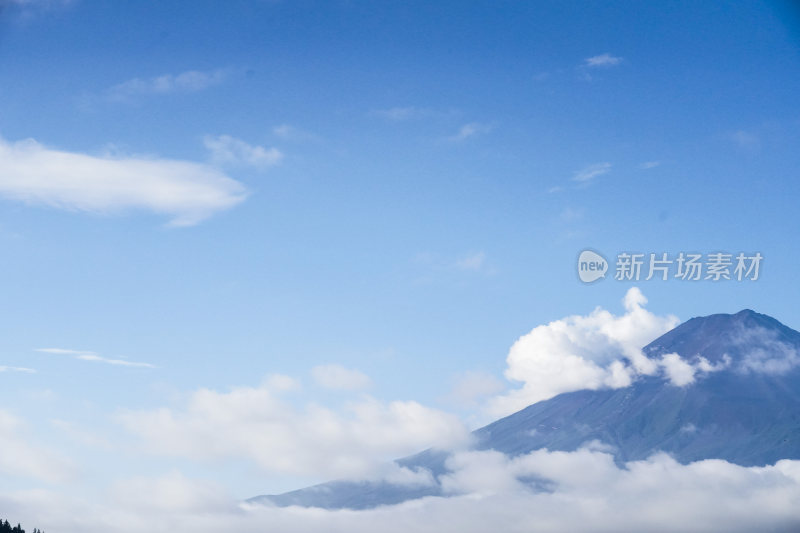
column 745, row 409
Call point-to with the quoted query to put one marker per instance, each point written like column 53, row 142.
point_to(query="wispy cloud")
column 745, row 139
column 590, row 172
column 288, row 132
column 647, row 165
column 403, row 113
column 570, row 214
column 184, row 82
column 474, row 261
column 470, row 130
column 337, row 377
column 227, row 150
column 28, row 8
column 17, row 369
column 84, row 355
column 602, row 60
column 186, row 191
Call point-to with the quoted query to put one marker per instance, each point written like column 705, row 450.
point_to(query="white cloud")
column 474, row 261
column 227, row 150
column 470, row 387
column 681, row 372
column 585, row 491
column 22, row 369
column 21, row 457
column 91, row 356
column 602, row 60
column 470, row 130
column 79, row 435
column 647, row 165
column 592, row 171
column 582, row 352
column 189, row 81
column 255, row 423
column 766, row 353
column 745, row 139
column 292, row 133
column 403, row 113
column 336, row 377
column 172, row 493
column 187, row 192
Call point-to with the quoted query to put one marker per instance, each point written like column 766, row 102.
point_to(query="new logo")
column 591, row 266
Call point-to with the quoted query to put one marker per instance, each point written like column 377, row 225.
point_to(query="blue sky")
column 400, row 188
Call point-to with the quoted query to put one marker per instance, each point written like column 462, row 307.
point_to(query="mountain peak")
column 737, row 335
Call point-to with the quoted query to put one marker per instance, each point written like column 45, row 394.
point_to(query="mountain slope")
column 746, row 411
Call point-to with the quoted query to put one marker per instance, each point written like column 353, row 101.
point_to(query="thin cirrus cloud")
column 17, row 369
column 228, row 150
column 588, row 173
column 475, row 261
column 403, row 113
column 184, row 82
column 602, row 60
column 647, row 165
column 185, row 191
column 84, row 355
column 470, row 130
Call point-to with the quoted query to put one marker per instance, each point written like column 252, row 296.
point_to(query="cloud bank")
column 259, row 424
column 544, row 491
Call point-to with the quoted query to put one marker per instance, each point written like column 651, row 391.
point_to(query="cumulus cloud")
column 91, row 356
column 256, row 423
column 185, row 191
column 602, row 60
column 337, row 377
column 681, row 372
column 582, row 352
column 227, row 150
column 582, row 490
column 188, row 81
column 590, row 172
column 21, row 457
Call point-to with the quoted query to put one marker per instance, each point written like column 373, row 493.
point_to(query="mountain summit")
column 742, row 406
